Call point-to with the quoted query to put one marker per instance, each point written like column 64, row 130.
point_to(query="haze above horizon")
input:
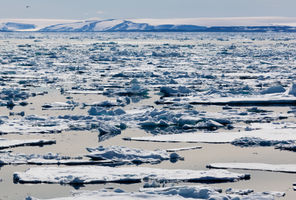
column 119, row 9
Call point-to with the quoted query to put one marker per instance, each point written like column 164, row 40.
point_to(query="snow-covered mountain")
column 113, row 25
column 120, row 25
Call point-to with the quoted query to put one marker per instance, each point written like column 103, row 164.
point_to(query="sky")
column 119, row 9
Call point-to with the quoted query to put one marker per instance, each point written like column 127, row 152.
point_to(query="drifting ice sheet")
column 60, row 105
column 118, row 153
column 174, row 192
column 183, row 149
column 223, row 137
column 288, row 147
column 4, row 143
column 7, row 158
column 24, row 129
column 98, row 174
column 287, row 168
column 262, row 100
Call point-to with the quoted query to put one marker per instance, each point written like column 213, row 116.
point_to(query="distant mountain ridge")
column 112, row 25
column 12, row 26
column 116, row 25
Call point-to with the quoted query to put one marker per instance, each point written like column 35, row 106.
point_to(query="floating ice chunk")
column 274, row 89
column 190, row 120
column 239, row 192
column 169, row 91
column 107, row 130
column 7, row 158
column 183, row 149
column 32, row 124
column 246, row 193
column 292, row 89
column 135, row 89
column 71, row 161
column 27, row 128
column 153, row 184
column 121, row 101
column 194, row 192
column 264, row 136
column 262, row 100
column 118, row 153
column 103, row 104
column 84, row 92
column 13, row 94
column 286, row 168
column 98, row 111
column 60, row 105
column 166, row 193
column 209, row 124
column 288, row 147
column 275, row 193
column 98, row 174
column 95, row 195
column 255, row 141
column 5, row 143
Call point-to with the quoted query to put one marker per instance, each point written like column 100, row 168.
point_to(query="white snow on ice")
column 97, row 174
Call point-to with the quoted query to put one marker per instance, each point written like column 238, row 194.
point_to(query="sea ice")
column 5, row 143
column 174, row 192
column 255, row 141
column 32, row 124
column 119, row 153
column 98, row 174
column 184, row 149
column 262, row 100
column 287, row 168
column 245, row 138
column 288, row 147
column 60, row 105
column 8, row 158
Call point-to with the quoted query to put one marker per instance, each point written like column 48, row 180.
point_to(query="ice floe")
column 60, row 105
column 174, row 192
column 255, row 141
column 264, row 137
column 6, row 143
column 98, row 174
column 125, row 154
column 11, row 95
column 288, row 147
column 183, row 149
column 32, row 124
column 287, row 168
column 262, row 100
column 110, row 103
column 8, row 158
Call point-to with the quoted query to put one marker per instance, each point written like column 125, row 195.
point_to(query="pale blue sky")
column 83, row 9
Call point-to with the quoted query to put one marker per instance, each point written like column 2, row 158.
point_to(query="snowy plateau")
column 110, row 109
